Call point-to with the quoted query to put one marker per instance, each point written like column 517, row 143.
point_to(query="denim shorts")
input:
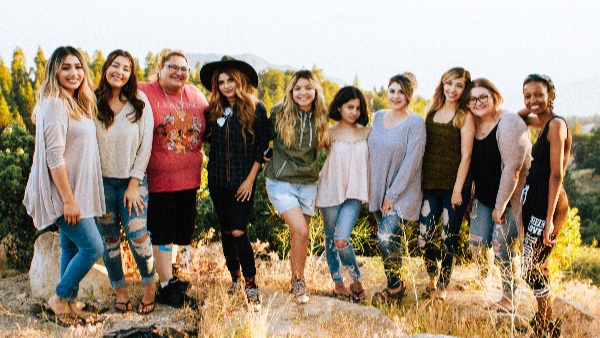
column 285, row 196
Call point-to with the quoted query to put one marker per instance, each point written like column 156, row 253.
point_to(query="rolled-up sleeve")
column 56, row 122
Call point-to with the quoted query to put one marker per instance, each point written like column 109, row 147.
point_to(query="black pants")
column 234, row 215
column 535, row 252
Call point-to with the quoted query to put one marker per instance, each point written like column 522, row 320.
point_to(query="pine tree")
column 4, row 112
column 150, row 69
column 6, row 84
column 139, row 71
column 356, row 82
column 267, row 100
column 15, row 117
column 22, row 89
column 40, row 66
column 96, row 67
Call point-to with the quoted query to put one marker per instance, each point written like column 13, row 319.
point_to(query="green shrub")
column 17, row 233
column 587, row 265
column 566, row 250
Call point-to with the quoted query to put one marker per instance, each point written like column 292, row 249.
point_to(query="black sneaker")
column 173, row 295
column 253, row 297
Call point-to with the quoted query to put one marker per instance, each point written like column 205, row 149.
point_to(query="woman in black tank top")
column 545, row 204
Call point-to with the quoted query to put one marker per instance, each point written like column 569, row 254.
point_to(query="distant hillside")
column 580, row 98
column 255, row 61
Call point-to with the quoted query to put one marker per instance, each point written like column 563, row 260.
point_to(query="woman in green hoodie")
column 300, row 130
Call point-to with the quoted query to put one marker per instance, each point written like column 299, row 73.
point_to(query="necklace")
column 177, row 107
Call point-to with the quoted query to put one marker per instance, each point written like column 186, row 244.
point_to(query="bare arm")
column 61, row 181
column 530, row 119
column 557, row 134
column 467, row 134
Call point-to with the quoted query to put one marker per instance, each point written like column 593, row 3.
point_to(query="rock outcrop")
column 44, row 273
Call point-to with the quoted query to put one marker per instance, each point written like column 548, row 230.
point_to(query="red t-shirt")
column 179, row 123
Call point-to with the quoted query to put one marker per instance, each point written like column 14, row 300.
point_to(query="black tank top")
column 486, row 168
column 539, row 172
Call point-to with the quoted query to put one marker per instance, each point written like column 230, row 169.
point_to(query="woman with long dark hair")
column 238, row 135
column 124, row 130
column 65, row 183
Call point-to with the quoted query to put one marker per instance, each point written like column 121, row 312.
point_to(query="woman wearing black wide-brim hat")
column 238, row 134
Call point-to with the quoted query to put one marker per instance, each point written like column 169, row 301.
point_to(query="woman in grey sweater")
column 396, row 147
column 65, row 183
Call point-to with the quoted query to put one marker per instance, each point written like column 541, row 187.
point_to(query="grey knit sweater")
column 396, row 157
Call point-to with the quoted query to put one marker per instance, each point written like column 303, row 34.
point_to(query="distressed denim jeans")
column 135, row 228
column 437, row 204
column 390, row 241
column 502, row 236
column 81, row 245
column 338, row 222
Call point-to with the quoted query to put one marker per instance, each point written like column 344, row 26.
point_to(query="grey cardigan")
column 61, row 140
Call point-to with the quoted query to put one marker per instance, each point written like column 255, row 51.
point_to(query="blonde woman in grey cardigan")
column 396, row 147
column 499, row 163
column 65, row 183
column 124, row 129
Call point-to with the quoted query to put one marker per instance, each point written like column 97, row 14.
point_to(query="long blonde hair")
column 438, row 99
column 245, row 106
column 82, row 102
column 287, row 115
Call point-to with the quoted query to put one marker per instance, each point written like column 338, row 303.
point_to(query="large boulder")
column 44, row 273
column 321, row 317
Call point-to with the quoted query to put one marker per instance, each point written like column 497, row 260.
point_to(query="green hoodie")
column 297, row 164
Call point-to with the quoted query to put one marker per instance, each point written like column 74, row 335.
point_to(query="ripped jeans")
column 135, row 228
column 390, row 241
column 338, row 222
column 485, row 232
column 437, row 204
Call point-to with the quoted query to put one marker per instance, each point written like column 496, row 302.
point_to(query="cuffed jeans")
column 81, row 245
column 338, row 222
column 485, row 233
column 135, row 227
column 390, row 241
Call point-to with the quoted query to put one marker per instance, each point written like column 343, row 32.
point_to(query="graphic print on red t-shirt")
column 179, row 131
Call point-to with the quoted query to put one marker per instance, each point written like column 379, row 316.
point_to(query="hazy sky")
column 501, row 40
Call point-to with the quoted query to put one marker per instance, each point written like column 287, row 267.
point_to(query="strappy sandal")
column 123, row 307
column 387, row 297
column 143, row 306
column 357, row 295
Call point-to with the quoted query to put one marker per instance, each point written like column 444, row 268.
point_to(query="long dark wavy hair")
column 128, row 92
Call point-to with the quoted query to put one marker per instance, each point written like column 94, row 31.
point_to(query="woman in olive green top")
column 445, row 183
column 300, row 129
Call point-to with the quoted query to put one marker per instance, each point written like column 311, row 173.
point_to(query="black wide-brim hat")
column 227, row 62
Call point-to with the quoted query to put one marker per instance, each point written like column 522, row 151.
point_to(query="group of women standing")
column 131, row 155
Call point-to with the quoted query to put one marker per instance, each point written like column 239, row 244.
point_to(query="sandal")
column 357, row 295
column 143, row 308
column 45, row 313
column 123, row 307
column 387, row 297
column 90, row 318
column 341, row 296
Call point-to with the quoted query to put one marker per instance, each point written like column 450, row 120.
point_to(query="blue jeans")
column 437, row 204
column 390, row 241
column 135, row 228
column 81, row 245
column 485, row 232
column 338, row 222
